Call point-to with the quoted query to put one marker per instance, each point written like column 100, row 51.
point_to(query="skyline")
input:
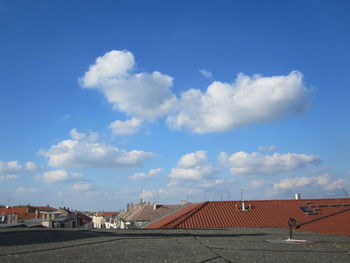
column 102, row 100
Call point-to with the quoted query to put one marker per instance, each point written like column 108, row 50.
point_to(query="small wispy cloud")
column 151, row 173
column 267, row 148
column 206, row 73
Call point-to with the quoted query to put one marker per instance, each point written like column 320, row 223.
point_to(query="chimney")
column 297, row 196
column 154, row 205
column 127, row 207
column 243, row 206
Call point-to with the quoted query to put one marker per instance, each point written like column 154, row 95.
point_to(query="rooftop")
column 169, row 245
column 263, row 213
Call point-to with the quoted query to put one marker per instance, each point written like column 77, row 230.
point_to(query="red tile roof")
column 22, row 212
column 262, row 213
column 108, row 213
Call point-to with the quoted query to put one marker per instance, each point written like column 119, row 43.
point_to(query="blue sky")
column 100, row 100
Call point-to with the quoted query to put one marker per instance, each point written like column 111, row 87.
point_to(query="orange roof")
column 262, row 213
column 108, row 213
column 22, row 212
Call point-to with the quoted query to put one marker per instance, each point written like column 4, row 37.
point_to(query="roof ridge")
column 186, row 215
column 176, row 209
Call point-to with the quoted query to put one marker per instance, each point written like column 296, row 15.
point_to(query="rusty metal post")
column 292, row 222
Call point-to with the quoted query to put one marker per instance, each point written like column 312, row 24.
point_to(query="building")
column 330, row 216
column 140, row 214
column 106, row 220
column 19, row 215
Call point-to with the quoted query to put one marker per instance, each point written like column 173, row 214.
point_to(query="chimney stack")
column 297, row 196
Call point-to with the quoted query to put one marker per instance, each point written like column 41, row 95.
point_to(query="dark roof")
column 262, row 213
column 45, row 208
column 84, row 219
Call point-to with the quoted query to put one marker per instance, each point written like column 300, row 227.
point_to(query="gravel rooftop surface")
column 180, row 245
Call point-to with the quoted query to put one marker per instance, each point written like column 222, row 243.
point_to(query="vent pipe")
column 243, row 206
column 297, row 196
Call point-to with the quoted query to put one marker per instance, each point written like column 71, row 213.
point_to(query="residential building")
column 140, row 214
column 106, row 220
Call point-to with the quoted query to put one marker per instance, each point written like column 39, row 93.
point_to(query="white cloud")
column 10, row 167
column 79, row 152
column 60, row 176
column 151, row 173
column 4, row 178
column 193, row 159
column 267, row 148
column 15, row 167
column 325, row 181
column 212, row 183
column 92, row 136
column 247, row 101
column 31, row 166
column 142, row 95
column 255, row 163
column 79, row 187
column 206, row 73
column 126, row 127
column 26, row 190
column 148, row 194
column 192, row 166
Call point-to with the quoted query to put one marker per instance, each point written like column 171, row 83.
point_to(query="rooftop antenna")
column 187, row 196
column 141, row 199
column 205, row 195
column 158, row 197
column 346, row 193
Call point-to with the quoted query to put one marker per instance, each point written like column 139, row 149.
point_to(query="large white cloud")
column 247, row 101
column 142, row 95
column 193, row 167
column 60, row 176
column 80, row 152
column 223, row 106
column 324, row 181
column 241, row 163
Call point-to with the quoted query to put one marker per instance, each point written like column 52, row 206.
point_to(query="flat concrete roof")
column 174, row 245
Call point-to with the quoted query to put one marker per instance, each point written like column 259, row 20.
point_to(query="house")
column 13, row 216
column 329, row 216
column 46, row 214
column 84, row 221
column 64, row 218
column 140, row 214
column 106, row 220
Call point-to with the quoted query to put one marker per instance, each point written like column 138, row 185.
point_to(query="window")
column 307, row 209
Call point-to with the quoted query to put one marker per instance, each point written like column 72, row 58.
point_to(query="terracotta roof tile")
column 22, row 212
column 108, row 213
column 262, row 213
